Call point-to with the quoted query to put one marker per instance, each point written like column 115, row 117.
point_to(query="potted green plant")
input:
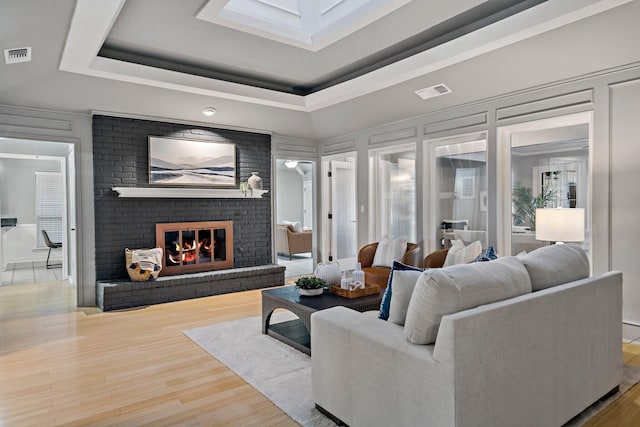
column 310, row 285
column 525, row 204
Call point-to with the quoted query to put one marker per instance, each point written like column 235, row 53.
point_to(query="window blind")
column 49, row 209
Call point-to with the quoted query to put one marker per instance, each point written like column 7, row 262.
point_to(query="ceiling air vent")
column 18, row 54
column 433, row 91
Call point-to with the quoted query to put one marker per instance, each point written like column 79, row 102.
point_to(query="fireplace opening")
column 195, row 246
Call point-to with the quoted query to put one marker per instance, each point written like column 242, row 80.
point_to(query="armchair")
column 380, row 275
column 290, row 243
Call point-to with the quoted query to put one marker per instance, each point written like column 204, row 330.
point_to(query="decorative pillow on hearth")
column 143, row 264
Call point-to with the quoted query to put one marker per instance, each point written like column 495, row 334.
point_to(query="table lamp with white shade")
column 560, row 225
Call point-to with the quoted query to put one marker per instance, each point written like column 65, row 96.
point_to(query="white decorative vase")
column 329, row 272
column 254, row 181
column 310, row 292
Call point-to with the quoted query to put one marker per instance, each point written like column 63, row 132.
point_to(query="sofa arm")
column 362, row 366
column 282, row 240
column 563, row 343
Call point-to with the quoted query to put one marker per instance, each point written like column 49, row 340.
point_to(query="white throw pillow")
column 461, row 254
column 403, row 282
column 443, row 291
column 295, row 226
column 389, row 251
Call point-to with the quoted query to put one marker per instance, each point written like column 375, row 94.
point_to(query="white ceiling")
column 554, row 40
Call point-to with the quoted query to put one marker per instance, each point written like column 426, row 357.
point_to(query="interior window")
column 545, row 165
column 393, row 192
column 459, row 190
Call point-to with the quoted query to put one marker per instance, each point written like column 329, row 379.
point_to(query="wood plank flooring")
column 62, row 366
column 79, row 367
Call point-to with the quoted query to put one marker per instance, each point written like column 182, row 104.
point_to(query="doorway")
column 38, row 193
column 294, row 231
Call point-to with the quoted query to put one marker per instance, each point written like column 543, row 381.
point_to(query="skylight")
column 311, row 24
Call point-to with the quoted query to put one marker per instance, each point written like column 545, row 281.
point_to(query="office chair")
column 50, row 245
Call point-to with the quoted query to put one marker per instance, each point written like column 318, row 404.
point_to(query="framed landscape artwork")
column 191, row 163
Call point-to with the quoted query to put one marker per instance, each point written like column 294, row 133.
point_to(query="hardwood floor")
column 79, row 367
column 62, row 366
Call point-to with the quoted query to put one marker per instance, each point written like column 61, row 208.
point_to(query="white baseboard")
column 630, row 332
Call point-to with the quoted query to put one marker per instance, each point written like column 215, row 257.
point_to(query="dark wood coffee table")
column 297, row 333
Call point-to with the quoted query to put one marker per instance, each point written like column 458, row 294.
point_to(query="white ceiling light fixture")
column 433, row 91
column 291, row 164
column 18, row 54
column 209, row 111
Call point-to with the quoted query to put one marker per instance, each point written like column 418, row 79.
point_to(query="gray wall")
column 18, row 186
column 121, row 159
column 28, row 125
column 289, row 189
column 625, row 195
column 595, row 93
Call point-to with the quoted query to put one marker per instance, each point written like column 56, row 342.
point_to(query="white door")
column 343, row 215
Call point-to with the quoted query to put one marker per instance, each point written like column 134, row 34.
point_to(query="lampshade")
column 560, row 225
column 291, row 164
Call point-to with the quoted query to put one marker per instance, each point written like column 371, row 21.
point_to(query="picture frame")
column 193, row 163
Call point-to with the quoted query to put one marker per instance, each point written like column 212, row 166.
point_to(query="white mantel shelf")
column 187, row 193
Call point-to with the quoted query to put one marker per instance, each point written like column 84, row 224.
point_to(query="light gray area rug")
column 283, row 374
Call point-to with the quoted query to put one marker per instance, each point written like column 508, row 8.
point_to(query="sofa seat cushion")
column 376, row 276
column 439, row 292
column 553, row 265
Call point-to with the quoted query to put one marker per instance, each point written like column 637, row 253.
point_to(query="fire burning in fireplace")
column 195, row 246
column 189, row 253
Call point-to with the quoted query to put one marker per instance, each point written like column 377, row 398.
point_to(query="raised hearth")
column 115, row 295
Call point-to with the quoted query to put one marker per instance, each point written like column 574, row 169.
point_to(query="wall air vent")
column 18, row 54
column 433, row 91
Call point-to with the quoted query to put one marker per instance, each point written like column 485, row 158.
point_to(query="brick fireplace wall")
column 120, row 159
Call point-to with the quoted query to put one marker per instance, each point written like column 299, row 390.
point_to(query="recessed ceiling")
column 136, row 41
column 307, row 24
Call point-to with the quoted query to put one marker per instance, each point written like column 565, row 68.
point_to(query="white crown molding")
column 92, row 22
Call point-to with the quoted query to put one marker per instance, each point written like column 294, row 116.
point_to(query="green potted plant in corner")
column 525, row 204
column 310, row 285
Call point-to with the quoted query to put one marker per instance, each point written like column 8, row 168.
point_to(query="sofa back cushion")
column 555, row 264
column 439, row 292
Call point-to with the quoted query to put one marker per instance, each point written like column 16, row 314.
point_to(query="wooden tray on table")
column 367, row 290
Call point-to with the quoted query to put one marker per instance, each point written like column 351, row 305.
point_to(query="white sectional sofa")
column 536, row 359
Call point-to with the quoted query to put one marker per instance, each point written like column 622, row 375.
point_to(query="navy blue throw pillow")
column 486, row 255
column 385, row 304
